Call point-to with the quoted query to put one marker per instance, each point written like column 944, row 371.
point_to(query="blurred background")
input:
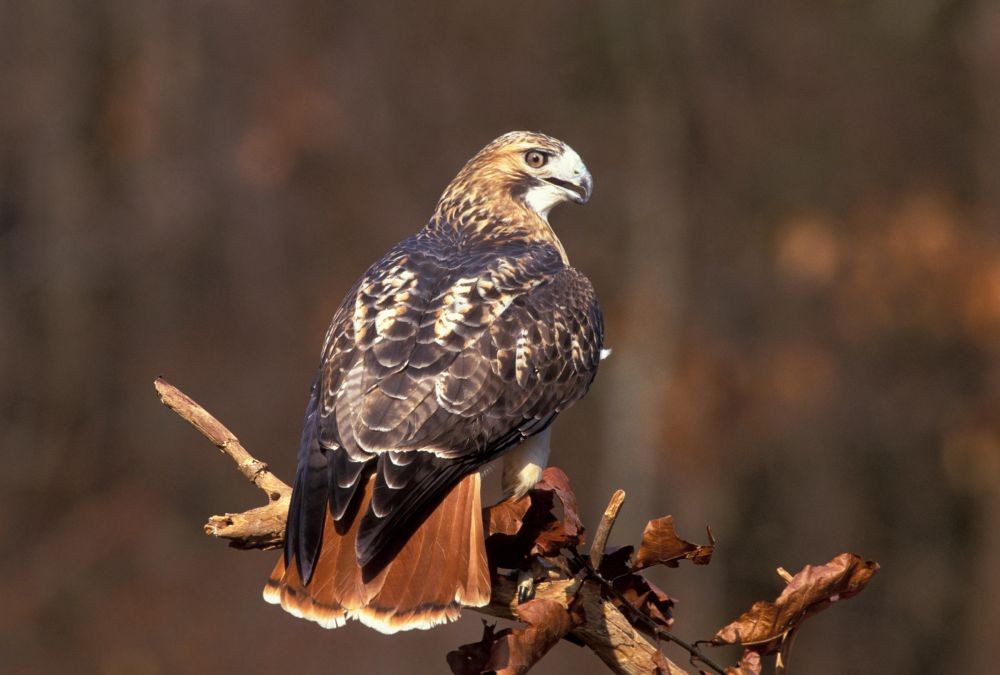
column 794, row 236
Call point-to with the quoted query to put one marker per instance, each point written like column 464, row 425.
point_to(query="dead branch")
column 597, row 622
column 604, row 529
column 263, row 527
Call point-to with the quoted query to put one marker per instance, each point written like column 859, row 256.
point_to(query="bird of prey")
column 459, row 346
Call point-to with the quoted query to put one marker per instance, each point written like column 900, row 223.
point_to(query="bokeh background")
column 795, row 235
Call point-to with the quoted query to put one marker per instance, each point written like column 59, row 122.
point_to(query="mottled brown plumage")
column 460, row 343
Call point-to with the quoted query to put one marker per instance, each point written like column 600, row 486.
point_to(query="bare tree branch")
column 263, row 527
column 604, row 529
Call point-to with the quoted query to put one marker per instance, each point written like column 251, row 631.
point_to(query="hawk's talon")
column 525, row 587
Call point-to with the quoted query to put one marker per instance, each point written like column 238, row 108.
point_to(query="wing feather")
column 433, row 366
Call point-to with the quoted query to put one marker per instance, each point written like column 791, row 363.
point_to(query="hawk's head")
column 535, row 170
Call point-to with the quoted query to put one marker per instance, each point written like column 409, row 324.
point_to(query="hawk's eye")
column 535, row 159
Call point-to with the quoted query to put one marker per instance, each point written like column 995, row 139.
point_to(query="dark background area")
column 794, row 235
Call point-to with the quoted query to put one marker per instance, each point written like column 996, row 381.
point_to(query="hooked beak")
column 580, row 188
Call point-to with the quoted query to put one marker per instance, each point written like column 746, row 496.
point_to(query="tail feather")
column 440, row 568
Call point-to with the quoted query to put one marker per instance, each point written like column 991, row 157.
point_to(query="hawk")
column 459, row 346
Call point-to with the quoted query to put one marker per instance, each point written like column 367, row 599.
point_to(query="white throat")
column 542, row 198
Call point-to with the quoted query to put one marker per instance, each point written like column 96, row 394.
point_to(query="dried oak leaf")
column 646, row 597
column 557, row 481
column 637, row 590
column 547, row 623
column 750, row 664
column 661, row 546
column 558, row 533
column 515, row 651
column 472, row 659
column 506, row 517
column 530, row 525
column 810, row 591
column 616, row 562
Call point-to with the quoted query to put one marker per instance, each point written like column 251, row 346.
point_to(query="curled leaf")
column 472, row 659
column 556, row 480
column 662, row 546
column 507, row 516
column 547, row 623
column 646, row 597
column 534, row 524
column 514, row 651
column 810, row 591
column 638, row 591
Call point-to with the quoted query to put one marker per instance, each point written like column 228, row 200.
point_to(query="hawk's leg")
column 523, row 466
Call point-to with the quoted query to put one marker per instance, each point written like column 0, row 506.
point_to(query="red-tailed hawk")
column 461, row 345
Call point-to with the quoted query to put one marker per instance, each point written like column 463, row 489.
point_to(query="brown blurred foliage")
column 794, row 235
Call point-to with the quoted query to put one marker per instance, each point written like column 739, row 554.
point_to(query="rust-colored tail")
column 441, row 568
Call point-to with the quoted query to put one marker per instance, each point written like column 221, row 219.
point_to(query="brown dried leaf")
column 507, row 516
column 554, row 533
column 634, row 588
column 750, row 664
column 810, row 591
column 647, row 597
column 617, row 562
column 472, row 659
column 529, row 526
column 557, row 481
column 509, row 542
column 642, row 594
column 662, row 546
column 514, row 651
